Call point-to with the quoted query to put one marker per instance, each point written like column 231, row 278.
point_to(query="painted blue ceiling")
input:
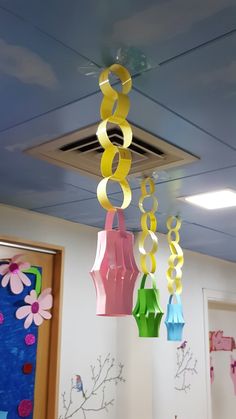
column 185, row 93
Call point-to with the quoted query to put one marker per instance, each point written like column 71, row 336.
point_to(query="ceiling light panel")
column 224, row 198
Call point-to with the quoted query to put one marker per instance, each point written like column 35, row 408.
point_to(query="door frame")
column 210, row 295
column 57, row 289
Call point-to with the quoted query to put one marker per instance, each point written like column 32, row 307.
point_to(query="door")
column 29, row 357
column 222, row 329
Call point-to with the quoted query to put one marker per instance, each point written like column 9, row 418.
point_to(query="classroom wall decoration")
column 186, row 367
column 114, row 271
column 88, row 395
column 233, row 372
column 219, row 342
column 18, row 350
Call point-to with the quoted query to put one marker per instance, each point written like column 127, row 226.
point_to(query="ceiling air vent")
column 80, row 150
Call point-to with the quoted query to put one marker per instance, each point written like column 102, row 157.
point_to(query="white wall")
column 159, row 356
column 149, row 363
column 223, row 396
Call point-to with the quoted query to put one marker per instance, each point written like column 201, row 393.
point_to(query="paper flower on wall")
column 36, row 309
column 13, row 274
column 174, row 319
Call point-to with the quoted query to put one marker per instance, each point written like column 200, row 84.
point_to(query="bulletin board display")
column 18, row 355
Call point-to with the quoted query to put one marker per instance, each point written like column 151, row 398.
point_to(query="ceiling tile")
column 168, row 192
column 37, row 73
column 159, row 28
column 200, row 87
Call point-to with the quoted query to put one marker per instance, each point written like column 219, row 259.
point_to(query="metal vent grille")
column 80, row 150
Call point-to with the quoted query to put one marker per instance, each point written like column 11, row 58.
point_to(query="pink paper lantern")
column 114, row 271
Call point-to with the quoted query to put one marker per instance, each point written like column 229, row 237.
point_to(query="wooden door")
column 46, row 368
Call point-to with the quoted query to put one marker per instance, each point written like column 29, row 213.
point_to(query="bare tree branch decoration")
column 106, row 371
column 186, row 366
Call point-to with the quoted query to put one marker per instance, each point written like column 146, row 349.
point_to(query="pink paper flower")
column 12, row 273
column 36, row 309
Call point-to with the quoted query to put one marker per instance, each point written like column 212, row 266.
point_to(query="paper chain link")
column 114, row 110
column 149, row 226
column 176, row 260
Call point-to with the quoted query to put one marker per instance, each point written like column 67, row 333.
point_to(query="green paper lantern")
column 148, row 312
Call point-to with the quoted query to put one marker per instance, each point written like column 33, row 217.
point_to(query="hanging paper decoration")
column 12, row 272
column 148, row 312
column 114, row 110
column 115, row 271
column 174, row 319
column 36, row 309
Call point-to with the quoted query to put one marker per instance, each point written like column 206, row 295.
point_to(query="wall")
column 150, row 364
column 159, row 356
column 84, row 336
column 223, row 396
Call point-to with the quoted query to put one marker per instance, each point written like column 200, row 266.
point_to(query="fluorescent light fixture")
column 225, row 198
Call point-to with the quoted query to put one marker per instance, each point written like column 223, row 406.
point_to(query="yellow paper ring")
column 147, row 182
column 122, row 74
column 176, row 259
column 152, row 221
column 142, row 239
column 171, row 220
column 118, row 109
column 114, row 110
column 123, row 166
column 175, row 287
column 143, row 262
column 173, row 236
column 154, row 205
column 149, row 226
column 103, row 198
column 124, row 127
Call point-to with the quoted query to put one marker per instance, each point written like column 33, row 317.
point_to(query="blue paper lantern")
column 174, row 319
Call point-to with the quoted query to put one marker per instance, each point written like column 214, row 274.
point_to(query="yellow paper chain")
column 176, row 260
column 149, row 226
column 114, row 110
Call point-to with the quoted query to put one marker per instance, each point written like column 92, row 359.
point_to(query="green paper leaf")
column 38, row 283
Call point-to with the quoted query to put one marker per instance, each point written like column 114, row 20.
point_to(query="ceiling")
column 184, row 91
